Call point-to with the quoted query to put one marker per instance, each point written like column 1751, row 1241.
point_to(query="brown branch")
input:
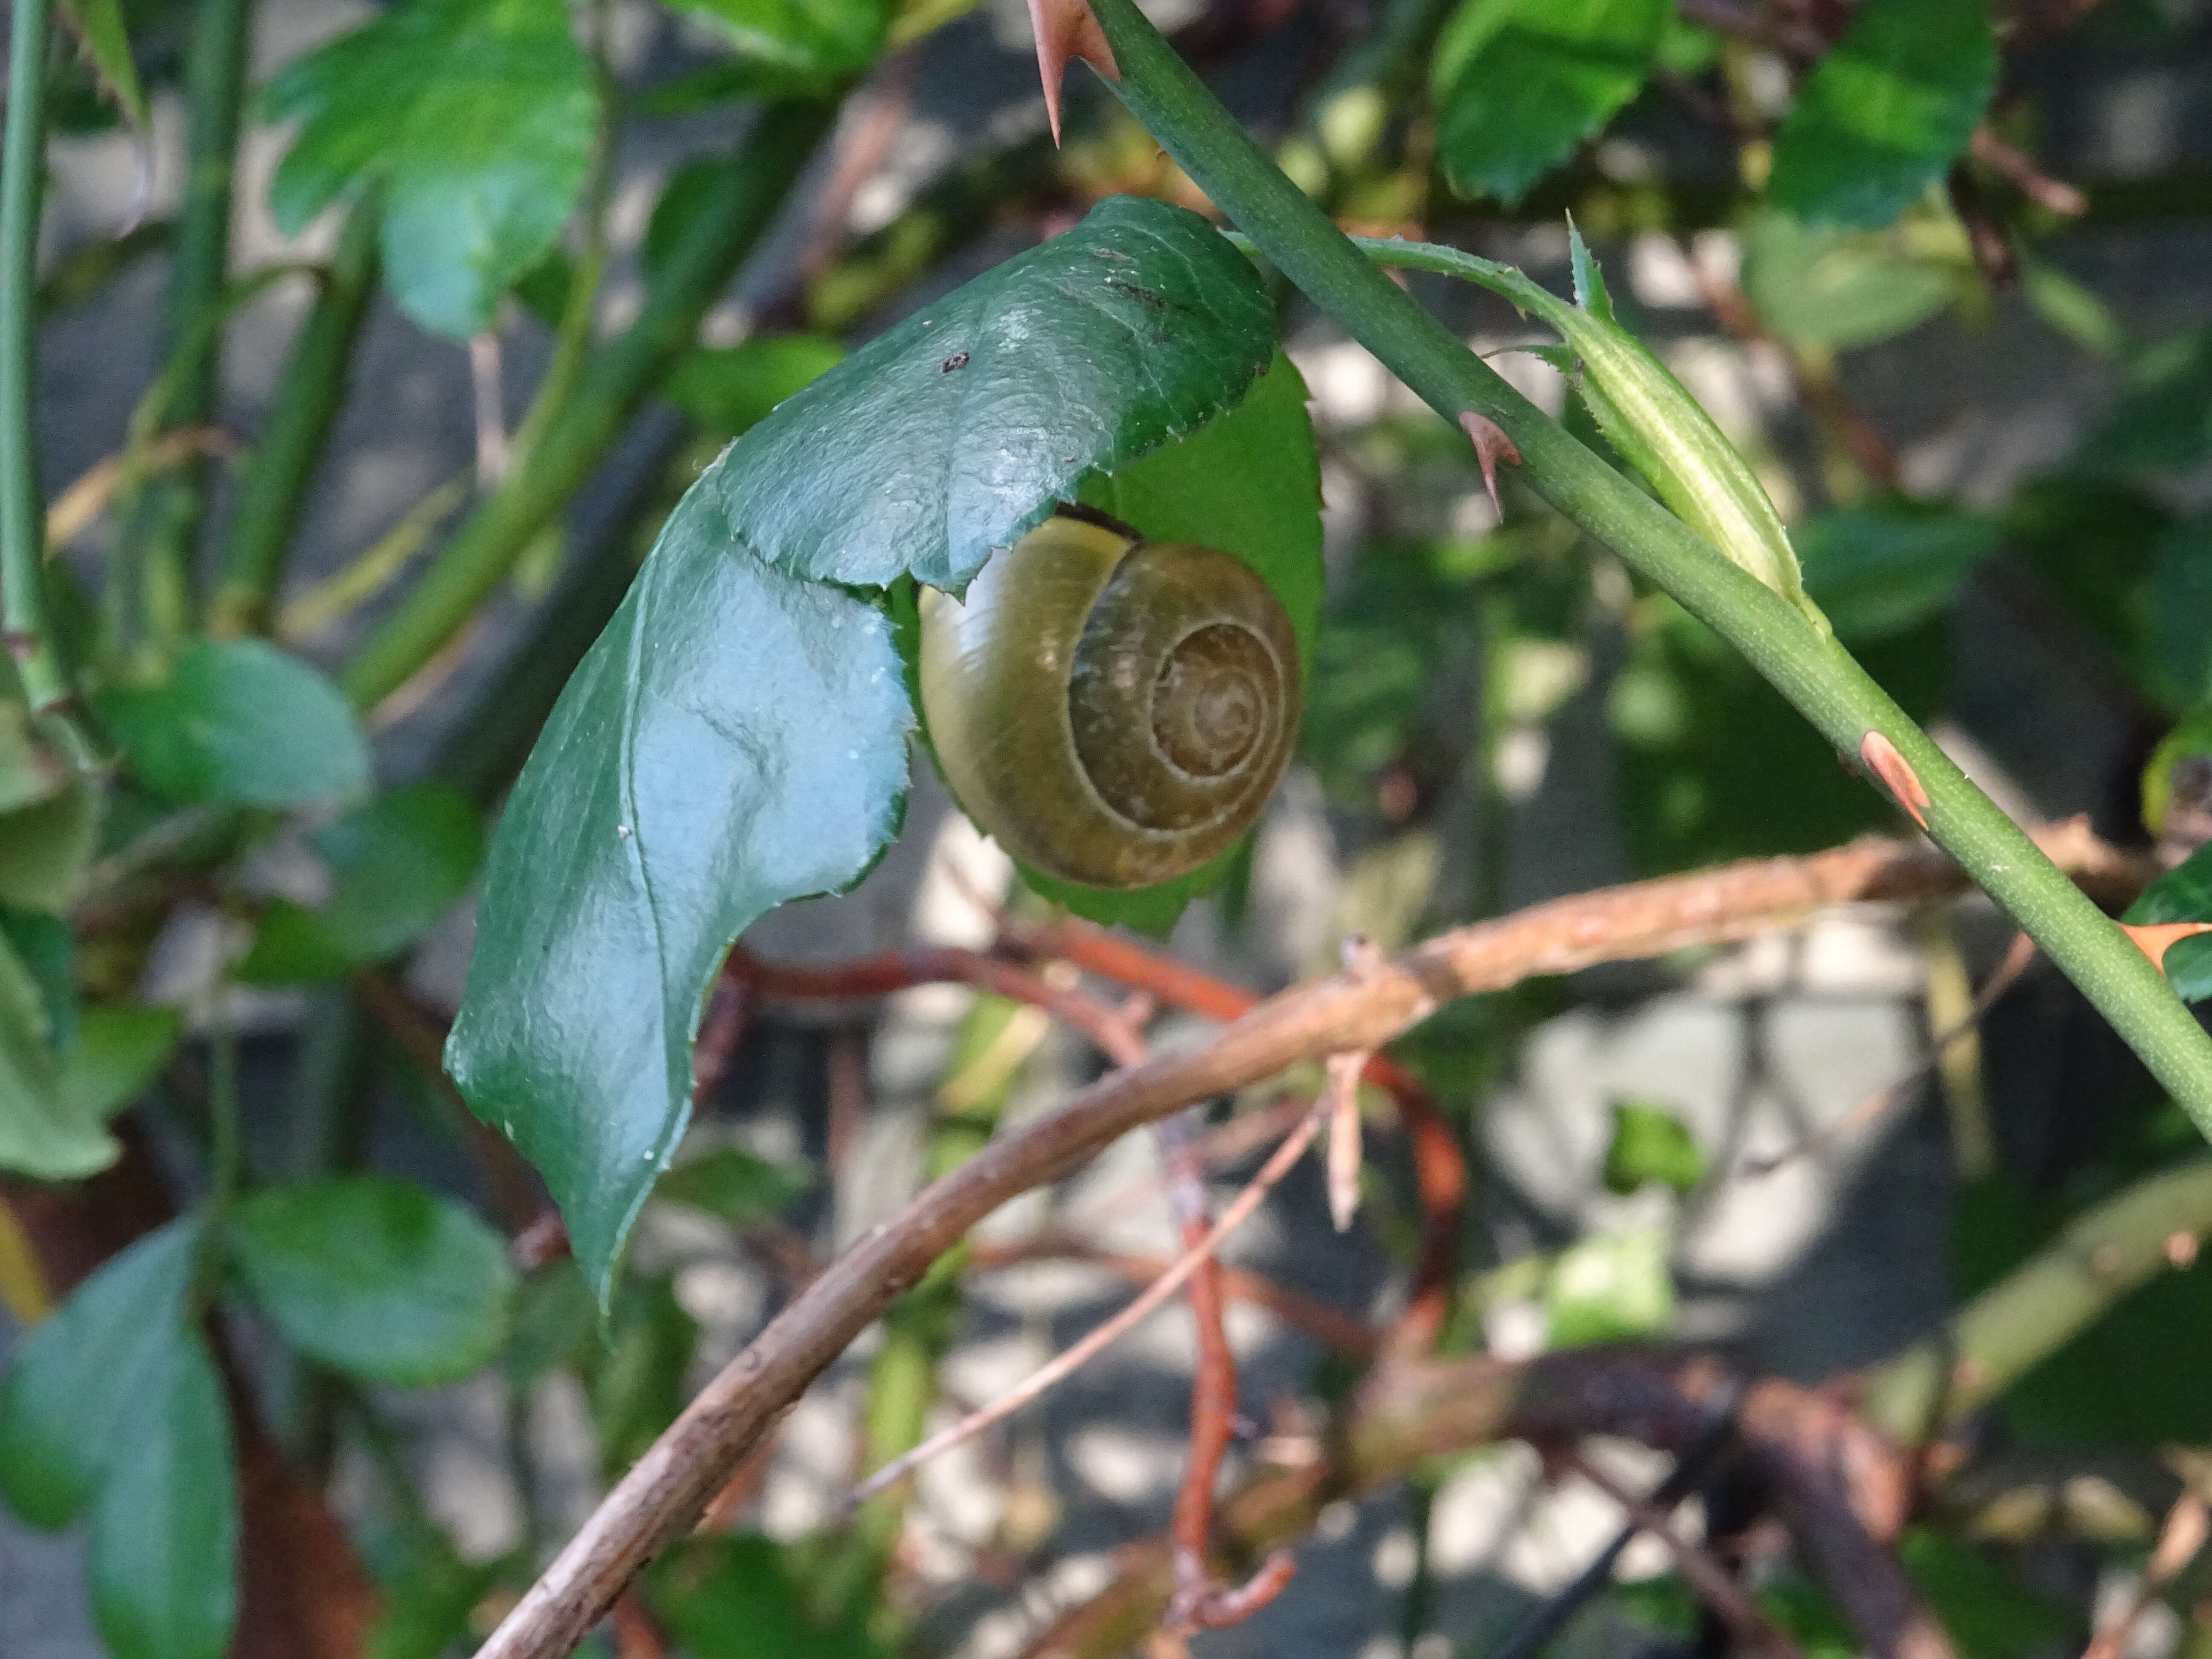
column 1327, row 1325
column 1072, row 1359
column 669, row 1486
column 2018, row 168
column 1440, row 1177
column 1840, row 1487
column 2181, row 1539
column 1711, row 1582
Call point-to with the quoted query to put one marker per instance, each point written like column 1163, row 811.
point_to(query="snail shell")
column 1113, row 711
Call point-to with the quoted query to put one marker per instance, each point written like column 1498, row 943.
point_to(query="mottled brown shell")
column 1115, row 712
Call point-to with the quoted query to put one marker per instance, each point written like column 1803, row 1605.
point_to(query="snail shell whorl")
column 1114, row 712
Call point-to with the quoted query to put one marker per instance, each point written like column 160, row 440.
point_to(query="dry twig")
column 669, row 1486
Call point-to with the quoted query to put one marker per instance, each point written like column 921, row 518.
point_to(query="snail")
column 1113, row 711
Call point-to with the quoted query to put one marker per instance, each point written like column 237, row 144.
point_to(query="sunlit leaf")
column 476, row 115
column 1519, row 83
column 1651, row 1143
column 1884, row 114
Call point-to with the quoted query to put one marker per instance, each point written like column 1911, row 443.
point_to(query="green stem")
column 1814, row 674
column 747, row 193
column 2041, row 1305
column 214, row 83
column 274, row 485
column 22, row 511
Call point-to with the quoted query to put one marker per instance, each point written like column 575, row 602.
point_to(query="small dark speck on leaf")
column 958, row 360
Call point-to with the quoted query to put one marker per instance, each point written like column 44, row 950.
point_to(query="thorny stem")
column 31, row 641
column 274, row 484
column 746, row 195
column 165, row 533
column 1816, row 675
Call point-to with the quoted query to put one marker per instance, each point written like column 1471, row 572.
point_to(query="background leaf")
column 239, row 721
column 1610, row 1287
column 745, row 1597
column 1521, row 83
column 1878, row 571
column 478, row 117
column 1837, row 288
column 821, row 38
column 1651, row 1143
column 376, row 1277
column 993, row 403
column 396, row 865
column 163, row 1558
column 1884, row 114
column 75, row 1391
column 99, row 25
column 729, row 390
column 735, row 739
column 50, row 810
column 734, row 1185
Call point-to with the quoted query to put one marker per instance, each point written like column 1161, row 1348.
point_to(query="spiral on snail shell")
column 1113, row 711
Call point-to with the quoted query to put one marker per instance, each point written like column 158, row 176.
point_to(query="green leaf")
column 1839, row 288
column 117, row 1054
column 2162, row 422
column 1885, row 113
column 737, row 736
column 734, row 1185
column 1271, row 520
column 747, row 1597
column 1986, row 1610
column 163, row 1558
column 477, row 116
column 376, row 1277
column 957, row 431
column 242, row 722
column 735, row 739
column 73, row 1401
column 396, row 865
column 1651, row 1143
column 1878, row 571
column 2181, row 627
column 39, row 1135
column 1519, row 83
column 1610, row 1287
column 2190, row 740
column 636, row 1387
column 99, row 25
column 827, row 40
column 729, row 390
column 2182, row 894
column 429, row 1599
column 50, row 807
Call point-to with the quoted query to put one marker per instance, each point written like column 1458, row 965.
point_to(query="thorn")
column 2157, row 939
column 1066, row 29
column 1896, row 775
column 1491, row 446
column 1345, row 1150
